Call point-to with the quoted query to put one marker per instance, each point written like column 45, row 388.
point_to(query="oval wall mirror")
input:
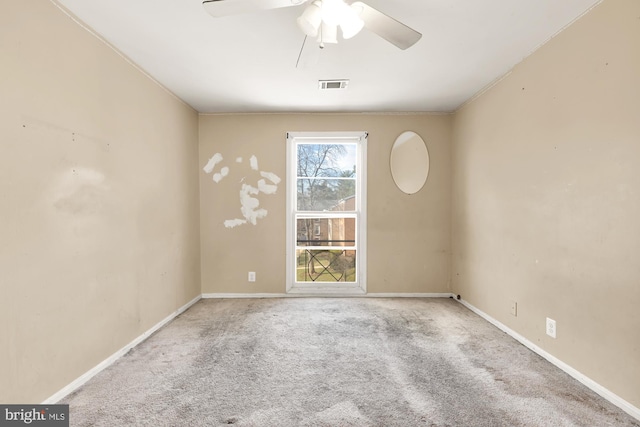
column 409, row 162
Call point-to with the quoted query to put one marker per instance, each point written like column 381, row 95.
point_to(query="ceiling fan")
column 322, row 18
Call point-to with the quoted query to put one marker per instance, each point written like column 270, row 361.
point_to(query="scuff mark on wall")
column 38, row 125
column 238, row 159
column 80, row 192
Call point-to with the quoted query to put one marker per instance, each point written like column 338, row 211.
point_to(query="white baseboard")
column 417, row 295
column 602, row 391
column 261, row 295
column 115, row 356
column 299, row 295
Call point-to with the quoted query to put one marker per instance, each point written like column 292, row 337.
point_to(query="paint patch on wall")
column 230, row 223
column 253, row 161
column 211, row 164
column 249, row 205
column 266, row 188
column 271, row 177
column 217, row 177
column 213, row 161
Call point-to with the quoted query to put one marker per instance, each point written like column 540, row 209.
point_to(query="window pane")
column 327, row 160
column 325, row 265
column 326, row 231
column 320, row 194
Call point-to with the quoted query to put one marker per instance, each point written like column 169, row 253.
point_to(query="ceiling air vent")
column 332, row 84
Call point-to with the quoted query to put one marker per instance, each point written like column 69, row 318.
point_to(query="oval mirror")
column 409, row 162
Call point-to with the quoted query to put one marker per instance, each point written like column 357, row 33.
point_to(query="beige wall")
column 546, row 205
column 98, row 202
column 408, row 235
column 100, row 227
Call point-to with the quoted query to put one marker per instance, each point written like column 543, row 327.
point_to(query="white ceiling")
column 247, row 63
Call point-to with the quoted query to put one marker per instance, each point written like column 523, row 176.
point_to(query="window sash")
column 358, row 214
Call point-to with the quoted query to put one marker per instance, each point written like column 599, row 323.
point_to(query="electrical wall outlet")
column 514, row 308
column 252, row 276
column 551, row 328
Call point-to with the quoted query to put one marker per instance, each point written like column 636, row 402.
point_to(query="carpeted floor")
column 335, row 362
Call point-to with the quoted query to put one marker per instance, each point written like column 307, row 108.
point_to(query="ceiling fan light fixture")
column 351, row 16
column 351, row 23
column 310, row 20
column 332, row 11
column 328, row 33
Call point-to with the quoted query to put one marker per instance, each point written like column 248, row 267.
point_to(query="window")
column 326, row 212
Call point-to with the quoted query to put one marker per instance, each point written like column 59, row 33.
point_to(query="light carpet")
column 335, row 362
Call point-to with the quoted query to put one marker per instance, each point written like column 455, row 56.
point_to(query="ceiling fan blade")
column 386, row 27
column 219, row 8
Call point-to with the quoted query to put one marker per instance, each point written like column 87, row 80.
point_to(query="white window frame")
column 359, row 287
